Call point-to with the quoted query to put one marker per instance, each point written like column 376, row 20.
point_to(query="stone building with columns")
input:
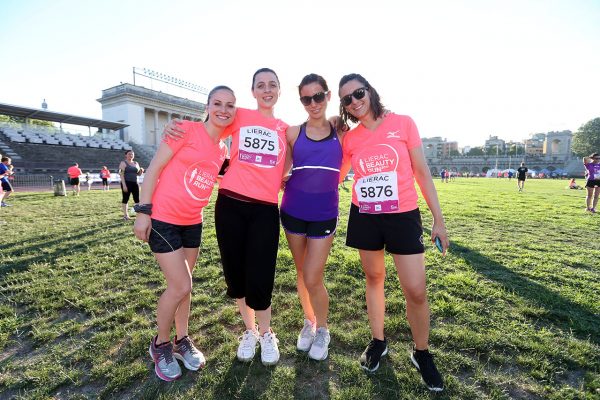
column 146, row 111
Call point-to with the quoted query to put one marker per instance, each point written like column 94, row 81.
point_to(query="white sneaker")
column 269, row 352
column 306, row 336
column 247, row 346
column 320, row 347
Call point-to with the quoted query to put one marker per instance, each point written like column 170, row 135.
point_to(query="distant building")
column 438, row 147
column 551, row 151
column 534, row 146
column 146, row 111
column 494, row 142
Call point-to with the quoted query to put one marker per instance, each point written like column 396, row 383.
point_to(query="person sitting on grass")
column 574, row 185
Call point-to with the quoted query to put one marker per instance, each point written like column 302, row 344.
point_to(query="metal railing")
column 41, row 181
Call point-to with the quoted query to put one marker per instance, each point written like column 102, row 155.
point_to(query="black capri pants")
column 248, row 237
column 132, row 189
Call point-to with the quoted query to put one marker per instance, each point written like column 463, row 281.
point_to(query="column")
column 157, row 133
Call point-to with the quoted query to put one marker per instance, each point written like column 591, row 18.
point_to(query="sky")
column 462, row 69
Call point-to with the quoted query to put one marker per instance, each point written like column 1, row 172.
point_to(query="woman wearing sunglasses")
column 592, row 183
column 309, row 209
column 386, row 155
column 247, row 213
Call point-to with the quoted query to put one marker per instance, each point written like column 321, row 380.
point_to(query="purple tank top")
column 311, row 193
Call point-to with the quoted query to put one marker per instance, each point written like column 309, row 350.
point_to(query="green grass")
column 515, row 306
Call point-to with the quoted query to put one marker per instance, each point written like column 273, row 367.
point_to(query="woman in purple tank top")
column 309, row 209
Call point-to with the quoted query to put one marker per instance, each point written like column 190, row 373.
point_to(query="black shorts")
column 166, row 237
column 399, row 233
column 310, row 229
column 590, row 183
column 248, row 236
column 6, row 186
column 105, row 181
column 521, row 178
column 74, row 181
column 133, row 189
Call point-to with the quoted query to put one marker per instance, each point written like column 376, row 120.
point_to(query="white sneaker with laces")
column 306, row 336
column 320, row 346
column 247, row 346
column 269, row 351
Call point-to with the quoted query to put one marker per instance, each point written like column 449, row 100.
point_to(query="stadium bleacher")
column 47, row 150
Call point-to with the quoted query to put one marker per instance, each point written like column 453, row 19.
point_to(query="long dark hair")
column 212, row 92
column 376, row 107
column 312, row 78
column 263, row 70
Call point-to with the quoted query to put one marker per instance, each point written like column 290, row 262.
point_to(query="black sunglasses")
column 357, row 94
column 317, row 97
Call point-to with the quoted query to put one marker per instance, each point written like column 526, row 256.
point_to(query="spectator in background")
column 74, row 173
column 573, row 184
column 5, row 172
column 129, row 171
column 521, row 176
column 592, row 183
column 88, row 180
column 105, row 175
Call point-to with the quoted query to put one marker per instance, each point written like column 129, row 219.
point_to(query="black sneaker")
column 369, row 360
column 423, row 360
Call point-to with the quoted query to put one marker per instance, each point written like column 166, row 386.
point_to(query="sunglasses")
column 317, row 97
column 357, row 94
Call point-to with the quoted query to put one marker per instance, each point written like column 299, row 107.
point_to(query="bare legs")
column 411, row 273
column 174, row 303
column 591, row 200
column 310, row 257
column 250, row 316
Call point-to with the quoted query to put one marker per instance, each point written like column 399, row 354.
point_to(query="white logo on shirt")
column 394, row 135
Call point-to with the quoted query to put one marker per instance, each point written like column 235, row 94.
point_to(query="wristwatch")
column 143, row 208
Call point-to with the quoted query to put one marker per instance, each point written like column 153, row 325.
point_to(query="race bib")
column 377, row 193
column 258, row 145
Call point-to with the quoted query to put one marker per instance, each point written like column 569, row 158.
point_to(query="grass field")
column 515, row 306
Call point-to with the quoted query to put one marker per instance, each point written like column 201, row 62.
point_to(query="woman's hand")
column 439, row 230
column 142, row 226
column 173, row 129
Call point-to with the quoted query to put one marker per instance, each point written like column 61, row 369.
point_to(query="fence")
column 45, row 182
column 33, row 181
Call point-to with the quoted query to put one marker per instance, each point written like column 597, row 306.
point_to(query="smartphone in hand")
column 438, row 244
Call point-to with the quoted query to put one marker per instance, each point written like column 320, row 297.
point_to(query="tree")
column 476, row 151
column 587, row 138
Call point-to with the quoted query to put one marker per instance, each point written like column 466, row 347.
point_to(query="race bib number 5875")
column 258, row 145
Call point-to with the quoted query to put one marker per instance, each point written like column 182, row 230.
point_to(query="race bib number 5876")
column 377, row 193
column 258, row 145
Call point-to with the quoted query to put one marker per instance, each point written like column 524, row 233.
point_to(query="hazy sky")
column 463, row 70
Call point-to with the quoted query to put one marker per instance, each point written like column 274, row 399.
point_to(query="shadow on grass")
column 560, row 311
column 312, row 377
column 244, row 380
column 25, row 256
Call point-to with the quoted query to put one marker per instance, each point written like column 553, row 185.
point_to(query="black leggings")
column 132, row 189
column 248, row 236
